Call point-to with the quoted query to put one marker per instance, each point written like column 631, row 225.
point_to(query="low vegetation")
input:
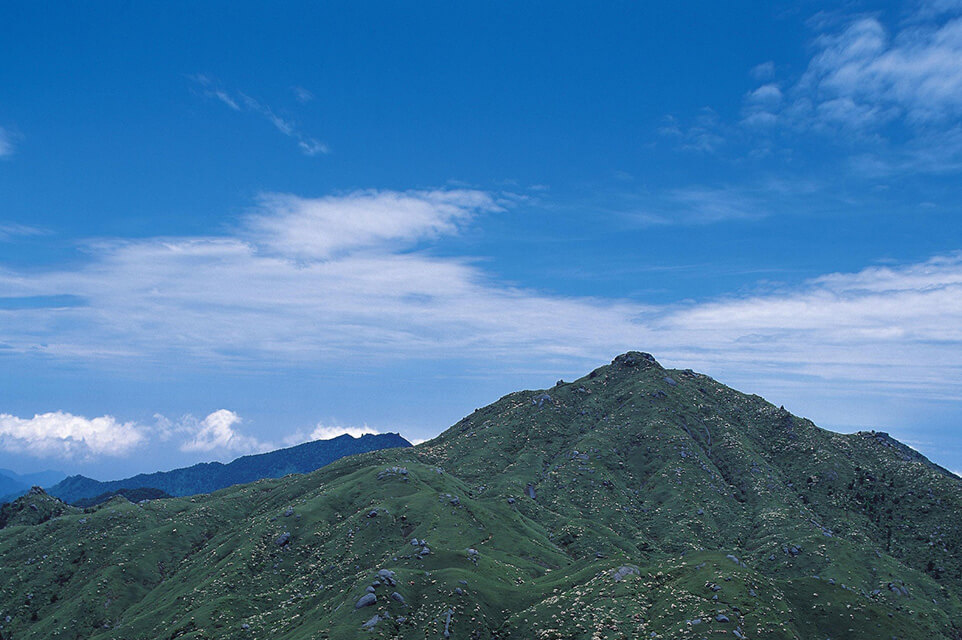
column 634, row 502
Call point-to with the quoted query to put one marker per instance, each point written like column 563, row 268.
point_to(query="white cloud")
column 322, row 431
column 891, row 94
column 766, row 94
column 331, row 280
column 326, row 432
column 863, row 76
column 6, row 143
column 217, row 432
column 916, row 74
column 69, row 437
column 319, row 227
column 892, row 328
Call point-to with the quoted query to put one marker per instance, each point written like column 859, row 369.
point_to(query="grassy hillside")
column 634, row 502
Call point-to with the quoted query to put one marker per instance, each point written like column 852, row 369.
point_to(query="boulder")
column 624, row 571
column 365, row 601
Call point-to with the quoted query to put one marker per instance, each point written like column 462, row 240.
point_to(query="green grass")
column 628, row 470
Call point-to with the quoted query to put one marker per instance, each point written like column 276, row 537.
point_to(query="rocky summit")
column 635, row 502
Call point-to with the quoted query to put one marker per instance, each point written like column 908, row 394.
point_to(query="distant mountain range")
column 635, row 502
column 14, row 485
column 207, row 477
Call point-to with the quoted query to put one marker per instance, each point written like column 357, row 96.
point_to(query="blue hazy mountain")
column 211, row 476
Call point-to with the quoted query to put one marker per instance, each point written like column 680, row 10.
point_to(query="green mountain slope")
column 634, row 502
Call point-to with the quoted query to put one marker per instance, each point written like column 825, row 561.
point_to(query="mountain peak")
column 636, row 359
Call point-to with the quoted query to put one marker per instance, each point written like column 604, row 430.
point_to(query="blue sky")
column 228, row 227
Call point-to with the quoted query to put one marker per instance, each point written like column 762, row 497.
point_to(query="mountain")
column 634, row 502
column 38, row 479
column 10, row 487
column 211, row 476
column 14, row 485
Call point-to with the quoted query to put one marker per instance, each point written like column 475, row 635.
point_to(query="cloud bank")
column 69, row 437
column 351, row 278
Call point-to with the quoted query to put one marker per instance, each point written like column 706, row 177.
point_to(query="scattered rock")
column 721, row 617
column 365, row 601
column 541, row 399
column 397, row 597
column 283, row 539
column 387, row 576
column 289, row 512
column 529, row 491
column 370, row 624
column 624, row 571
column 447, row 624
column 393, row 471
column 670, row 381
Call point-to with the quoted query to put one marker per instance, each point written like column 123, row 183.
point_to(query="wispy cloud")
column 239, row 101
column 6, row 143
column 704, row 135
column 303, row 95
column 68, row 437
column 700, row 204
column 892, row 94
column 349, row 278
column 764, row 71
column 915, row 74
column 11, row 230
